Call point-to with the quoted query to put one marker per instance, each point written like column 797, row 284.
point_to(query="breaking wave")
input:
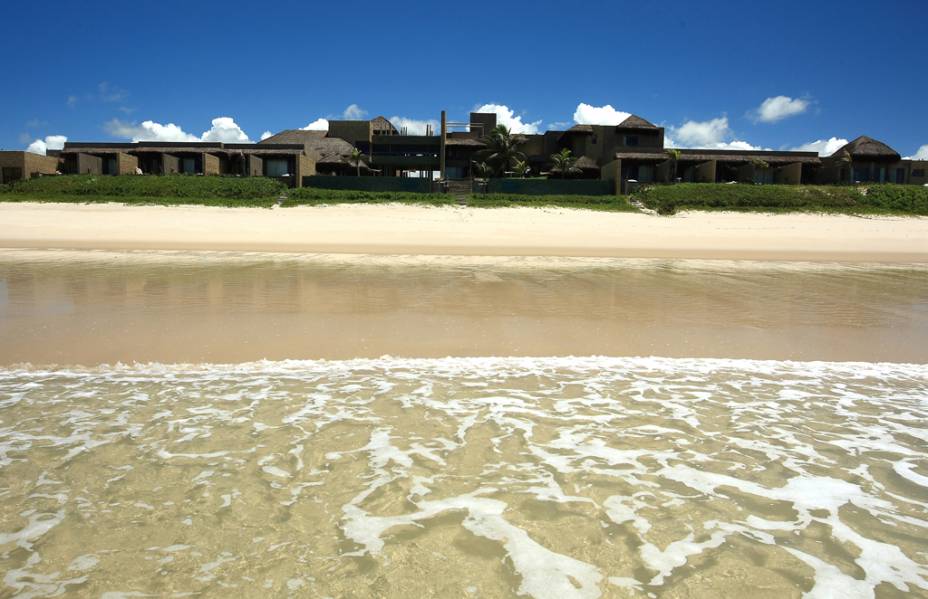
column 548, row 477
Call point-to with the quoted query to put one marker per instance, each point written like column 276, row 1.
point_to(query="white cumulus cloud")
column 585, row 114
column 413, row 126
column 824, row 147
column 51, row 142
column 319, row 124
column 506, row 116
column 778, row 108
column 702, row 133
column 354, row 112
column 921, row 154
column 266, row 134
column 148, row 131
column 714, row 134
column 223, row 129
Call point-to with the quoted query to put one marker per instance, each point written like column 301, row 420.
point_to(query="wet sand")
column 416, row 474
column 400, row 229
column 88, row 307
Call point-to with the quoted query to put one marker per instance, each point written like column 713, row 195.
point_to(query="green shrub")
column 874, row 199
column 317, row 195
column 149, row 186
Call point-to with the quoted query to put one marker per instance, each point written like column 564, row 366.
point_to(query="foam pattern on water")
column 544, row 477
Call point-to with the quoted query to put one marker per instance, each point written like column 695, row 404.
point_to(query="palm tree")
column 502, row 149
column 481, row 169
column 520, row 168
column 564, row 163
column 355, row 158
column 673, row 155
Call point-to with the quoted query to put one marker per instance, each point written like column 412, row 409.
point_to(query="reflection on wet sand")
column 97, row 309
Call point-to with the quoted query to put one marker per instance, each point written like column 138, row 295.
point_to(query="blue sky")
column 97, row 71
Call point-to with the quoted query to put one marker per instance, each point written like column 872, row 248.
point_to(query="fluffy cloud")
column 824, row 147
column 714, row 134
column 702, row 133
column 586, row 114
column 506, row 116
column 921, row 154
column 319, row 124
column 266, row 134
column 778, row 108
column 148, row 131
column 223, row 129
column 51, row 142
column 413, row 126
column 354, row 113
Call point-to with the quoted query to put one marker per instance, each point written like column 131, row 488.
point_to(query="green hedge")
column 148, row 186
column 558, row 187
column 376, row 184
column 315, row 195
column 872, row 199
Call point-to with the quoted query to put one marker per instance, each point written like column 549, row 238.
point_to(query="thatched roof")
column 465, row 141
column 329, row 149
column 293, row 136
column 583, row 129
column 381, row 124
column 868, row 148
column 586, row 163
column 636, row 122
column 745, row 156
column 340, row 160
column 653, row 156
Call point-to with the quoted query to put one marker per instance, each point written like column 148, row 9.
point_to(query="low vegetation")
column 170, row 189
column 846, row 199
column 665, row 199
column 308, row 196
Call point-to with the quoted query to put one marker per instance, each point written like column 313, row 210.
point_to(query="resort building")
column 633, row 151
column 16, row 165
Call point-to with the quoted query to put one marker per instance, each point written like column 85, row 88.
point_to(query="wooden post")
column 444, row 138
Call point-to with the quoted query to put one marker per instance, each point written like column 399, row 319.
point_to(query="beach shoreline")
column 395, row 229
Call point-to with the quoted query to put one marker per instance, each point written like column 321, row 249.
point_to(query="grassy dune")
column 870, row 199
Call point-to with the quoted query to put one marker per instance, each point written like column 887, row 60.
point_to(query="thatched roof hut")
column 582, row 129
column 586, row 163
column 293, row 136
column 636, row 122
column 381, row 126
column 867, row 148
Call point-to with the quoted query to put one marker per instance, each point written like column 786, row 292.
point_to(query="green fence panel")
column 369, row 183
column 586, row 187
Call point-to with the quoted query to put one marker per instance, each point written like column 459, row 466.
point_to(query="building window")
column 918, row 172
column 188, row 166
column 631, row 140
column 276, row 167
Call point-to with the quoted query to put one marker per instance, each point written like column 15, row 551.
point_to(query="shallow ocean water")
column 466, row 477
column 92, row 307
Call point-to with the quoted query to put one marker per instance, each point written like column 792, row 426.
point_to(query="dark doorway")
column 10, row 174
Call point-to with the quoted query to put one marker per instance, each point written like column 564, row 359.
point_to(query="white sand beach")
column 403, row 229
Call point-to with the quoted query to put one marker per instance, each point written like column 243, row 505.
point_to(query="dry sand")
column 402, row 229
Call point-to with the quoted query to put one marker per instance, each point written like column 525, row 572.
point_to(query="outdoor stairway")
column 461, row 189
